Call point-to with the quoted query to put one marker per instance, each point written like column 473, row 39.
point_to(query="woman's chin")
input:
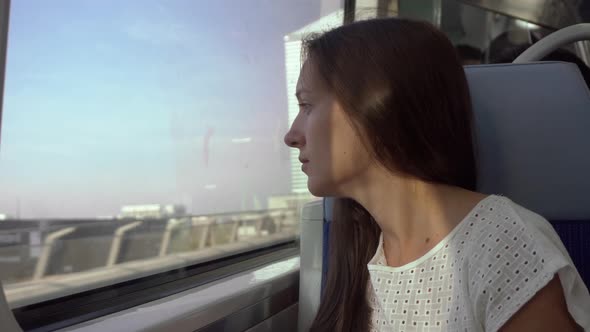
column 319, row 188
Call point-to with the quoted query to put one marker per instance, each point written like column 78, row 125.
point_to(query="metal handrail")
column 554, row 41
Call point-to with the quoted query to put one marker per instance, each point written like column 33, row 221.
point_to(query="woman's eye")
column 305, row 107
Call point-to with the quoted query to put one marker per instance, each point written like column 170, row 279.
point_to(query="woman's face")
column 330, row 150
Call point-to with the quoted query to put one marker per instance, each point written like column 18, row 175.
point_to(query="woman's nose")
column 294, row 139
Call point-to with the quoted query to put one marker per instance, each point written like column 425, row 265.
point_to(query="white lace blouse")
column 478, row 276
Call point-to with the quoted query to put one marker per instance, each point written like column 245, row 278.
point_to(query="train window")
column 490, row 32
column 141, row 138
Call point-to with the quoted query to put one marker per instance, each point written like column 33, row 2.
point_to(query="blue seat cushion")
column 575, row 235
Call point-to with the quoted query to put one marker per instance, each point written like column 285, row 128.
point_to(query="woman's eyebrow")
column 301, row 92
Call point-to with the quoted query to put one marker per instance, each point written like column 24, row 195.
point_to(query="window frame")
column 4, row 25
column 80, row 307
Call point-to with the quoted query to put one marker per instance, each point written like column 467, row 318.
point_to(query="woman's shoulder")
column 514, row 253
column 506, row 227
column 500, row 222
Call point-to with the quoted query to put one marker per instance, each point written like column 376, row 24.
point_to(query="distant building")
column 5, row 216
column 293, row 66
column 152, row 211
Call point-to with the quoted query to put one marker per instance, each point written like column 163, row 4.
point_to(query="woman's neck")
column 413, row 215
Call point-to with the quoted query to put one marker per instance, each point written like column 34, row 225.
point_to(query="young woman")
column 385, row 125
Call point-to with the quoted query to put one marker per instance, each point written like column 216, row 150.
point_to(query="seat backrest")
column 532, row 125
column 311, row 263
column 532, row 134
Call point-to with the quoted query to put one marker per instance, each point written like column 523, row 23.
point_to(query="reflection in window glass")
column 137, row 130
column 481, row 35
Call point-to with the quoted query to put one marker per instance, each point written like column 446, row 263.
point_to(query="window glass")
column 136, row 131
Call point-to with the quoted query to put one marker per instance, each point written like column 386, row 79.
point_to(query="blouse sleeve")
column 518, row 257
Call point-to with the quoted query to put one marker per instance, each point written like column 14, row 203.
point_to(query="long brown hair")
column 402, row 85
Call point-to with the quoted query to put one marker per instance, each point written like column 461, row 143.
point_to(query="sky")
column 110, row 103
